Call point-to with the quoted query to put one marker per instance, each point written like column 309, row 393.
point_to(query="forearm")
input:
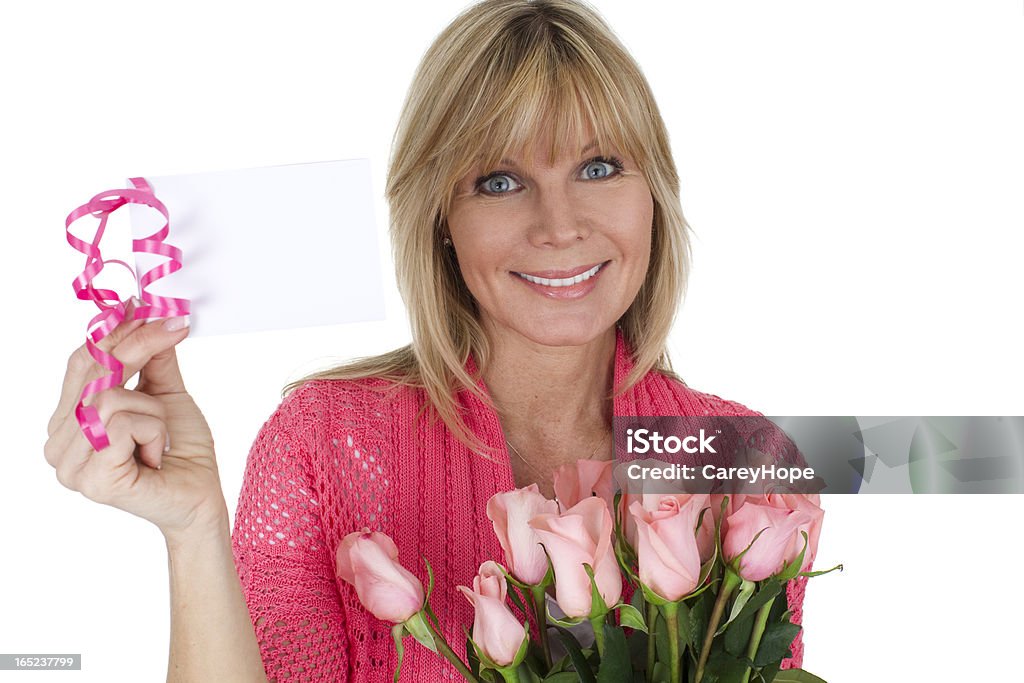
column 212, row 637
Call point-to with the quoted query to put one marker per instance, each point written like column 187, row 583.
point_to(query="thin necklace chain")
column 534, row 467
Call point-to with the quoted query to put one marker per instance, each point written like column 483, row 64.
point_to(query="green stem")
column 511, row 674
column 652, row 641
column 755, row 636
column 597, row 623
column 671, row 612
column 445, row 651
column 729, row 584
column 540, row 612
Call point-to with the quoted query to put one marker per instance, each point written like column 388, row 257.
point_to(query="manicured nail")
column 175, row 324
column 167, row 444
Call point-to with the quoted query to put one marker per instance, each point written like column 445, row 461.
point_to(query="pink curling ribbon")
column 112, row 309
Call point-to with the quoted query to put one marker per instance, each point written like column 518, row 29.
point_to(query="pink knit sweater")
column 337, row 456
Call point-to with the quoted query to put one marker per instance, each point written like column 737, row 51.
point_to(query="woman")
column 541, row 251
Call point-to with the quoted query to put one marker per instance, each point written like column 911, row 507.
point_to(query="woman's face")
column 554, row 253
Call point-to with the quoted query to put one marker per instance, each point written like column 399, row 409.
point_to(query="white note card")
column 269, row 248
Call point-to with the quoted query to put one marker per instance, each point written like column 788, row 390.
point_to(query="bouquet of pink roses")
column 707, row 574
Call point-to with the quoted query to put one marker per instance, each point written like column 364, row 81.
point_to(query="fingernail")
column 136, row 301
column 175, row 324
column 167, row 444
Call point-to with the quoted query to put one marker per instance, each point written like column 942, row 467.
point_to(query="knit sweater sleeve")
column 284, row 563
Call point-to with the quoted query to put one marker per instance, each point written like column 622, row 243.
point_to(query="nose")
column 559, row 220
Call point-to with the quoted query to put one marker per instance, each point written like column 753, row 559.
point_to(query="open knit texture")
column 337, row 456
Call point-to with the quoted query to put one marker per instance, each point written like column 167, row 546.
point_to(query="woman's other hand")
column 160, row 463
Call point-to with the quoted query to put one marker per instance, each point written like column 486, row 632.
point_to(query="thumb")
column 161, row 374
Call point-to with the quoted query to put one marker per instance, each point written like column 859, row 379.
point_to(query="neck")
column 552, row 399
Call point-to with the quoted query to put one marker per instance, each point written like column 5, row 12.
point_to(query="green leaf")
column 726, row 667
column 797, row 676
column 562, row 665
column 652, row 597
column 579, row 662
column 746, row 591
column 637, row 600
column 562, row 677
column 661, row 638
column 824, row 571
column 430, row 579
column 513, row 595
column 398, row 632
column 698, row 623
column 417, row 626
column 737, row 637
column 631, row 617
column 471, row 659
column 615, row 665
column 431, row 616
column 565, row 623
column 775, row 642
column 683, row 618
column 598, row 607
column 638, row 649
column 528, row 675
column 769, row 589
column 767, row 674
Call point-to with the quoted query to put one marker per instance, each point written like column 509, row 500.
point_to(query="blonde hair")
column 499, row 73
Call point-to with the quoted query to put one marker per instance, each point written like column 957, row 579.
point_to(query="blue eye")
column 498, row 184
column 598, row 168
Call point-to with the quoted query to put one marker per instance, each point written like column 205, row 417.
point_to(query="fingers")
column 134, row 348
column 68, row 438
column 98, row 476
column 83, row 368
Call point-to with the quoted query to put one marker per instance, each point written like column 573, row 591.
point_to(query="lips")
column 562, row 278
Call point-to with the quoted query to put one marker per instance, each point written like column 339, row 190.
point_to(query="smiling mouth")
column 563, row 281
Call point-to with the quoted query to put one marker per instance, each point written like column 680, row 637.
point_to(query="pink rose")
column 773, row 548
column 511, row 513
column 667, row 549
column 368, row 561
column 811, row 505
column 496, row 631
column 581, row 534
column 652, row 502
column 575, row 481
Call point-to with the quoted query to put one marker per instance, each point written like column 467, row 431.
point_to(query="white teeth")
column 562, row 282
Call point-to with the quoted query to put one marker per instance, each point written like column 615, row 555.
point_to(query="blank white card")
column 269, row 248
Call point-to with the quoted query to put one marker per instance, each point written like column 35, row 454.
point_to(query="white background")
column 853, row 174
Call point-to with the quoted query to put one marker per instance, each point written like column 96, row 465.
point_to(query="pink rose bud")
column 667, row 549
column 496, row 631
column 772, row 549
column 511, row 513
column 368, row 561
column 652, row 502
column 582, row 479
column 810, row 505
column 582, row 534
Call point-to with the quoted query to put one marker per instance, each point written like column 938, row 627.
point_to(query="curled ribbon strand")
column 112, row 309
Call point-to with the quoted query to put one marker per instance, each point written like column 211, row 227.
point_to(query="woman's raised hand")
column 160, row 463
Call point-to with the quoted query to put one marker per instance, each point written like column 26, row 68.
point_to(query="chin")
column 565, row 333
